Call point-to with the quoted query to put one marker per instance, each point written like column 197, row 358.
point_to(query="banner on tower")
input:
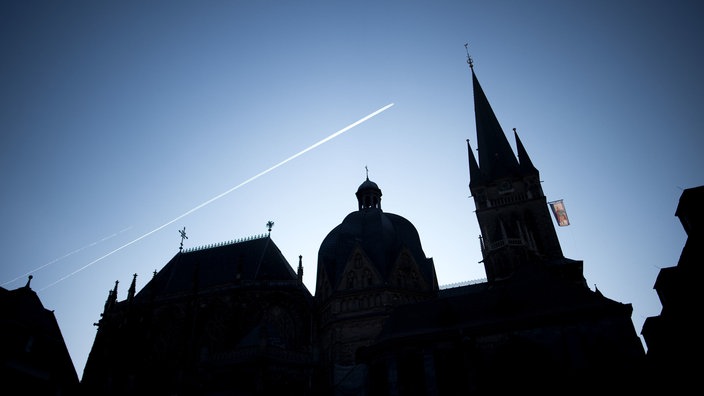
column 558, row 210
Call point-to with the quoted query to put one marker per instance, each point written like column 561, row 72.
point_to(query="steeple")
column 524, row 160
column 496, row 158
column 474, row 174
column 517, row 232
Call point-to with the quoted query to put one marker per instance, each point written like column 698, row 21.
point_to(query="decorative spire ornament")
column 183, row 236
column 470, row 62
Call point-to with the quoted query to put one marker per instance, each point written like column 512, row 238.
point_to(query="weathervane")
column 269, row 224
column 470, row 62
column 183, row 236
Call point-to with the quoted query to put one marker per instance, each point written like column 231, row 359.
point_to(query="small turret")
column 132, row 289
column 112, row 298
column 300, row 268
column 368, row 194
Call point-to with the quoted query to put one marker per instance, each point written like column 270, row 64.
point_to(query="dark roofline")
column 224, row 243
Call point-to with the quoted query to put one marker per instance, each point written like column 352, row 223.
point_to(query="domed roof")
column 381, row 236
column 368, row 195
column 367, row 185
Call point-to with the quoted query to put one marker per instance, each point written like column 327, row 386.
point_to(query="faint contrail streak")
column 341, row 131
column 67, row 254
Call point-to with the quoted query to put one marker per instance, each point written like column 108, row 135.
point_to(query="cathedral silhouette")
column 236, row 318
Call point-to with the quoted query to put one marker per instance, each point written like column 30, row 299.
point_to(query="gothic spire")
column 496, row 158
column 525, row 163
column 112, row 298
column 517, row 231
column 133, row 288
column 474, row 173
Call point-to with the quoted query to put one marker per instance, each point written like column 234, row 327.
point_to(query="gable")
column 359, row 272
column 406, row 274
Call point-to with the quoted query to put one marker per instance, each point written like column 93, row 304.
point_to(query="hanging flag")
column 558, row 209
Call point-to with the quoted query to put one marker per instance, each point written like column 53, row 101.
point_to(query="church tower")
column 517, row 233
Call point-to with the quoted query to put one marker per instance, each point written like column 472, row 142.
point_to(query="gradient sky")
column 119, row 117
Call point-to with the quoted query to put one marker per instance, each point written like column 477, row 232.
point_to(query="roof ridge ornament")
column 225, row 243
column 470, row 62
column 269, row 225
column 183, row 236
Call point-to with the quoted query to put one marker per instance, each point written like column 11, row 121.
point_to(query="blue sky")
column 119, row 117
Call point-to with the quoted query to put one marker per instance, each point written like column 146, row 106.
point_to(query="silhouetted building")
column 231, row 319
column 673, row 338
column 33, row 355
column 236, row 319
column 368, row 266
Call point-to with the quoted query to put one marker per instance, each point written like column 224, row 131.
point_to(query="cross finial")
column 269, row 224
column 470, row 62
column 183, row 236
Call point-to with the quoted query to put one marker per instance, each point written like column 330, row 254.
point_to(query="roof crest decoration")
column 231, row 242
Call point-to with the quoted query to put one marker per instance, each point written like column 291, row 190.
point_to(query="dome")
column 368, row 195
column 367, row 185
column 382, row 237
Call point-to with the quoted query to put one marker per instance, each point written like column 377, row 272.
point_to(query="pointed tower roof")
column 475, row 174
column 525, row 163
column 133, row 288
column 496, row 158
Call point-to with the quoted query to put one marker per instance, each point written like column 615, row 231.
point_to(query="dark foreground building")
column 236, row 319
column 673, row 337
column 33, row 355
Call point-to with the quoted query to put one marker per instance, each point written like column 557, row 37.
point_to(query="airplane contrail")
column 258, row 175
column 67, row 255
